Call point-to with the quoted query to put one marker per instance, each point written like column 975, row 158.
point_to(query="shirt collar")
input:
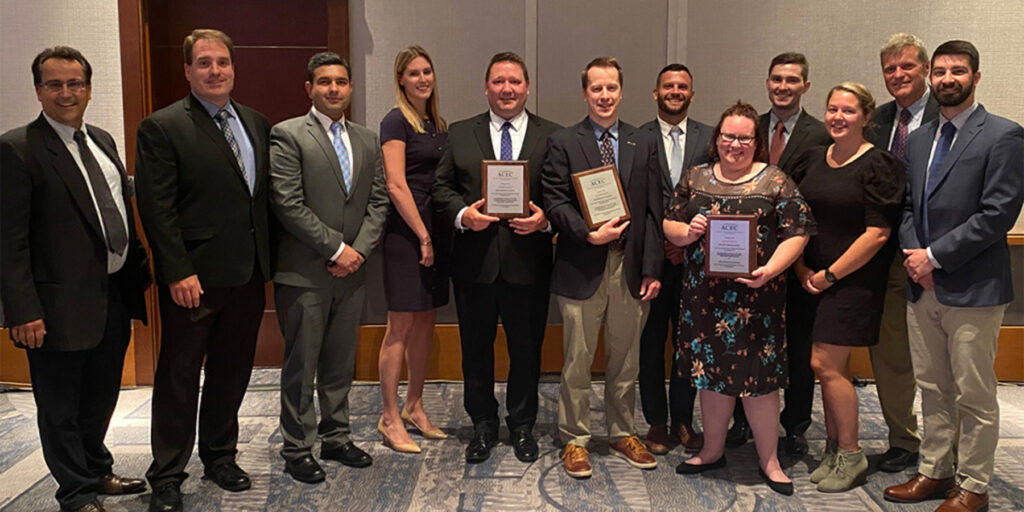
column 790, row 123
column 666, row 128
column 961, row 118
column 326, row 122
column 613, row 131
column 916, row 107
column 65, row 132
column 518, row 121
column 213, row 109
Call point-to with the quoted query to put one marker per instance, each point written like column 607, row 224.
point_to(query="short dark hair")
column 507, row 57
column 791, row 58
column 958, row 47
column 675, row 66
column 601, row 62
column 743, row 110
column 206, row 33
column 63, row 53
column 326, row 59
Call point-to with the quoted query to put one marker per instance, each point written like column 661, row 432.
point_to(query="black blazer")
column 807, row 133
column 195, row 206
column 54, row 261
column 481, row 256
column 698, row 135
column 884, row 117
column 579, row 266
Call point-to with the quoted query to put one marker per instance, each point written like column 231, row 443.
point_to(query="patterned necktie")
column 941, row 150
column 342, row 152
column 899, row 139
column 607, row 151
column 506, row 141
column 229, row 135
column 675, row 165
column 113, row 222
column 778, row 144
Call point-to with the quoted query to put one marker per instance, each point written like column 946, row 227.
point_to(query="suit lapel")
column 885, row 126
column 113, row 156
column 201, row 118
column 483, row 136
column 795, row 140
column 970, row 130
column 692, row 136
column 588, row 143
column 70, row 173
column 358, row 159
column 918, row 156
column 530, row 138
column 627, row 147
column 316, row 130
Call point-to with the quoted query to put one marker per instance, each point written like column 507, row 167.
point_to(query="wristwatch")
column 830, row 277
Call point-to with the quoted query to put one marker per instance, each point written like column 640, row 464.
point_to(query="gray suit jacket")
column 309, row 199
column 973, row 205
column 884, row 117
column 695, row 153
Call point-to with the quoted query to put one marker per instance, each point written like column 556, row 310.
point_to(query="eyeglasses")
column 729, row 138
column 74, row 85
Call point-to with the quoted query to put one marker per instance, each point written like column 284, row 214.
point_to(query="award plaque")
column 730, row 246
column 506, row 187
column 600, row 193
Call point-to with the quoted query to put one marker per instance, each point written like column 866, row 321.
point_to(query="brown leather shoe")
column 95, row 506
column 658, row 441
column 114, row 484
column 692, row 441
column 635, row 453
column 964, row 501
column 576, row 461
column 920, row 488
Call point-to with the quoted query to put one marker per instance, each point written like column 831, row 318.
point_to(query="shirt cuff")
column 338, row 252
column 458, row 219
column 931, row 258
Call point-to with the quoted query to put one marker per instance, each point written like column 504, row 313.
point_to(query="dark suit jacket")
column 579, row 266
column 481, row 256
column 695, row 153
column 971, row 208
column 195, row 206
column 55, row 255
column 884, row 117
column 807, row 133
column 309, row 198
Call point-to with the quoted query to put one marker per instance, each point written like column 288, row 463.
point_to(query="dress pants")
column 664, row 310
column 890, row 362
column 76, row 393
column 222, row 330
column 523, row 310
column 954, row 351
column 624, row 318
column 321, row 333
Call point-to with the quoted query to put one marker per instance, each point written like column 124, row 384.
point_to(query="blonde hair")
column 863, row 95
column 897, row 42
column 402, row 61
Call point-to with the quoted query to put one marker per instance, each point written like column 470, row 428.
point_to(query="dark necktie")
column 506, row 141
column 229, row 136
column 899, row 139
column 941, row 150
column 113, row 222
column 607, row 150
column 778, row 144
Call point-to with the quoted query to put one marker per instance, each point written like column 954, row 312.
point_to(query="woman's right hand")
column 426, row 253
column 696, row 228
column 804, row 275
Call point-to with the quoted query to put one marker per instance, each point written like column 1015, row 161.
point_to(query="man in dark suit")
column 682, row 143
column 965, row 191
column 327, row 189
column 905, row 70
column 609, row 273
column 202, row 167
column 791, row 131
column 502, row 268
column 73, row 275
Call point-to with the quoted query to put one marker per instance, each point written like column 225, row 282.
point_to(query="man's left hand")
column 649, row 288
column 526, row 225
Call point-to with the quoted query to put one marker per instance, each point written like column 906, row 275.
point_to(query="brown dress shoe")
column 576, row 461
column 114, row 484
column 658, row 441
column 692, row 441
column 95, row 506
column 635, row 453
column 920, row 488
column 964, row 501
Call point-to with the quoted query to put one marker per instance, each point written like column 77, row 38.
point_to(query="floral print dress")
column 732, row 338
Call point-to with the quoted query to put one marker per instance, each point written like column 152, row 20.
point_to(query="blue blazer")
column 970, row 209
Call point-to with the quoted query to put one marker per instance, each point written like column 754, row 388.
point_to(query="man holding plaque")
column 608, row 272
column 502, row 252
column 683, row 143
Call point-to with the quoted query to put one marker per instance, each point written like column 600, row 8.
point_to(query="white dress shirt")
column 916, row 116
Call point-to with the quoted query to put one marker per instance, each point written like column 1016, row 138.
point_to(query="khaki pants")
column 581, row 321
column 954, row 350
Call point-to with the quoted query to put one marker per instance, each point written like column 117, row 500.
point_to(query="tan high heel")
column 398, row 447
column 434, row 433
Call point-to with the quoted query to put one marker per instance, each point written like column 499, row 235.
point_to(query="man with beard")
column 965, row 190
column 682, row 143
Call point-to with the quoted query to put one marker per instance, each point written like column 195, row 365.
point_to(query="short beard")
column 955, row 97
column 663, row 107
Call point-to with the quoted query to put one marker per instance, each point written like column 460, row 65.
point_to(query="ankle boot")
column 851, row 470
column 828, row 461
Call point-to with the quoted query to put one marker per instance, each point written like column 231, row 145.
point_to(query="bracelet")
column 426, row 242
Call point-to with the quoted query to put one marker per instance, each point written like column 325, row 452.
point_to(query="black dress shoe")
column 738, row 434
column 95, row 506
column 348, row 454
column 785, row 488
column 524, row 445
column 305, row 469
column 228, row 476
column 796, row 445
column 166, row 498
column 693, row 469
column 480, row 446
column 114, row 485
column 897, row 459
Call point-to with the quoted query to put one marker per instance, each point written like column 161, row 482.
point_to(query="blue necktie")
column 229, row 136
column 506, row 141
column 342, row 152
column 941, row 150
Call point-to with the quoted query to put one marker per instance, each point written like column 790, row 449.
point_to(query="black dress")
column 732, row 338
column 409, row 286
column 865, row 192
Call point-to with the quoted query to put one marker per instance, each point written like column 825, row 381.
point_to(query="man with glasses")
column 73, row 274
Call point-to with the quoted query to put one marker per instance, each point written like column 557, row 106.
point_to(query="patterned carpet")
column 438, row 479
